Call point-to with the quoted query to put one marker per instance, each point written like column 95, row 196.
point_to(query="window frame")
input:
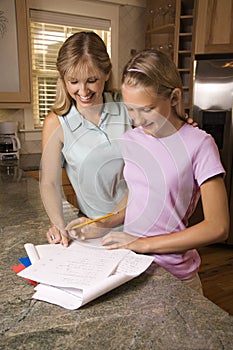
column 48, row 31
column 83, row 8
column 47, row 36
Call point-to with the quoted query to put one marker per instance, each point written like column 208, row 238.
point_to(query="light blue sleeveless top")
column 93, row 159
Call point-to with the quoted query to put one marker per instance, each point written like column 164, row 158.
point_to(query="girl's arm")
column 97, row 229
column 214, row 227
column 51, row 177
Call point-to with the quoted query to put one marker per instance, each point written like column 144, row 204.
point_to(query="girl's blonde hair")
column 153, row 68
column 80, row 51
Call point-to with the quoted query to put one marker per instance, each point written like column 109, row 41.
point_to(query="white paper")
column 71, row 288
column 134, row 264
column 46, row 250
column 32, row 252
column 58, row 296
column 71, row 298
column 75, row 266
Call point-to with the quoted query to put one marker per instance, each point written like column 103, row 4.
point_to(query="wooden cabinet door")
column 14, row 55
column 214, row 26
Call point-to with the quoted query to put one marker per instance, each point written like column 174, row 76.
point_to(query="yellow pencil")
column 94, row 220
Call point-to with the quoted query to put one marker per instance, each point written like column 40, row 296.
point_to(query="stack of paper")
column 73, row 276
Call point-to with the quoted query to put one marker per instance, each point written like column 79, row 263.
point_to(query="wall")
column 128, row 28
column 131, row 33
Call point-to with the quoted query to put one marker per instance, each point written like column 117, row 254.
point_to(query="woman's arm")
column 51, row 177
column 214, row 227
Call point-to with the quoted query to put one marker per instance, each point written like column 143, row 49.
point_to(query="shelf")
column 184, row 52
column 186, row 17
column 186, row 70
column 166, row 28
column 185, row 34
column 180, row 33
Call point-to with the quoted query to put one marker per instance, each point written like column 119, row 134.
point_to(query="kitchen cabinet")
column 160, row 25
column 214, row 26
column 66, row 185
column 14, row 58
column 170, row 29
column 68, row 189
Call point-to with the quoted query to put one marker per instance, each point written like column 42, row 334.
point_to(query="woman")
column 82, row 132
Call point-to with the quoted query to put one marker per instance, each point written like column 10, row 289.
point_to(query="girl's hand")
column 116, row 240
column 94, row 230
column 54, row 236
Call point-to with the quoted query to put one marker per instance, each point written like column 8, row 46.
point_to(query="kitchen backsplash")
column 7, row 115
column 131, row 32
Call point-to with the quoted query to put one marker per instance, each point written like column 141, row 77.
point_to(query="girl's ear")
column 175, row 96
column 107, row 76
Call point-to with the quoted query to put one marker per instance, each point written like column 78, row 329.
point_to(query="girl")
column 168, row 165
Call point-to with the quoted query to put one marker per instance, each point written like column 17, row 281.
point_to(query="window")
column 48, row 31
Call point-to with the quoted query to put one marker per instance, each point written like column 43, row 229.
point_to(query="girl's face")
column 86, row 88
column 151, row 112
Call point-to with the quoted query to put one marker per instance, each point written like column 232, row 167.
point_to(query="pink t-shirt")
column 164, row 177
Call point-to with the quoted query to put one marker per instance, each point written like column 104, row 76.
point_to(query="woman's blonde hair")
column 153, row 68
column 80, row 51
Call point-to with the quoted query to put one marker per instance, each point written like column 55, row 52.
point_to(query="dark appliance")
column 213, row 102
column 9, row 141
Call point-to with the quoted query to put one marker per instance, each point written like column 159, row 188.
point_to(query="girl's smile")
column 150, row 111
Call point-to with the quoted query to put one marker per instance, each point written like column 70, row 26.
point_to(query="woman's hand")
column 191, row 121
column 54, row 235
column 94, row 230
column 116, row 240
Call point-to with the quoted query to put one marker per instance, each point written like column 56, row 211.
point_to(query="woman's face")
column 148, row 110
column 86, row 88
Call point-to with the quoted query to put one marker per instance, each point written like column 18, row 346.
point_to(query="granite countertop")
column 30, row 161
column 25, row 162
column 152, row 311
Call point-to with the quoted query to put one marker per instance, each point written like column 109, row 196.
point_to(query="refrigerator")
column 212, row 109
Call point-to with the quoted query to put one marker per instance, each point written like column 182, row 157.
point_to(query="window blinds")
column 48, row 30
